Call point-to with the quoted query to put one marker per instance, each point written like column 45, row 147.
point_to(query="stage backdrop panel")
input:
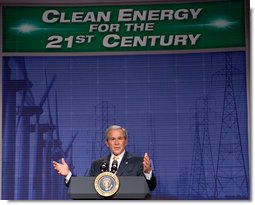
column 173, row 74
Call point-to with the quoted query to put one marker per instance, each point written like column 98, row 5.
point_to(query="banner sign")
column 155, row 27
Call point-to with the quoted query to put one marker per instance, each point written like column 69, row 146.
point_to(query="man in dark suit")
column 129, row 164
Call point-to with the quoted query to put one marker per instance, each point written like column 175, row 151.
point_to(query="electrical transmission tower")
column 207, row 156
column 197, row 188
column 105, row 116
column 231, row 175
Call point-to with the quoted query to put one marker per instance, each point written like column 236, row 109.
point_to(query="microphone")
column 114, row 166
column 103, row 167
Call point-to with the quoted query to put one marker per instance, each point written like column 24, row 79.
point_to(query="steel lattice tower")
column 197, row 188
column 105, row 116
column 207, row 155
column 231, row 175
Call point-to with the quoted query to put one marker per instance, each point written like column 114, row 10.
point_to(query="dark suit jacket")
column 130, row 165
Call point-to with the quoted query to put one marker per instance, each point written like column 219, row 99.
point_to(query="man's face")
column 116, row 141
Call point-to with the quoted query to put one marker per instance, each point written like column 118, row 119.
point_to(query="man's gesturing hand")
column 62, row 169
column 146, row 163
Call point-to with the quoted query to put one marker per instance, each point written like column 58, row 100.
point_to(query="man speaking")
column 119, row 161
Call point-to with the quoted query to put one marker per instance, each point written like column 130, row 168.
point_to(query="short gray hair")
column 115, row 127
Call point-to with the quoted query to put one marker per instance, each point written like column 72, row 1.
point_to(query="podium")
column 130, row 187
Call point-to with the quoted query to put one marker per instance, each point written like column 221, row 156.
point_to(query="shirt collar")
column 120, row 155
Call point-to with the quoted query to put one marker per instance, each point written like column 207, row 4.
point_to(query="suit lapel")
column 123, row 164
column 108, row 162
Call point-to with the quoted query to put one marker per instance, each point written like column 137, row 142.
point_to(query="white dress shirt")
column 119, row 158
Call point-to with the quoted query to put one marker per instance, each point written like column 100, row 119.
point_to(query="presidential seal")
column 106, row 184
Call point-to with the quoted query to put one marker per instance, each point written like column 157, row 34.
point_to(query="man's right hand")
column 63, row 168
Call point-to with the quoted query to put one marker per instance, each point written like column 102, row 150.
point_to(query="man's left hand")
column 146, row 163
